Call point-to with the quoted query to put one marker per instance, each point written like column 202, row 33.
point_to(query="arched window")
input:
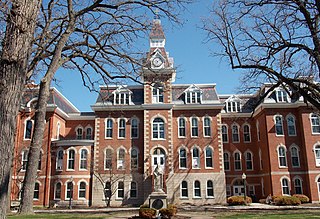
column 197, row 189
column 89, row 133
column 59, row 160
column 107, row 190
column 278, row 125
column 206, row 127
column 237, row 161
column 282, row 156
column 121, row 158
column 133, row 190
column 226, row 161
column 209, row 157
column 120, row 192
column 57, row 192
column 224, row 131
column 134, row 158
column 285, row 186
column 71, row 159
column 315, row 123
column 157, row 93
column 28, row 129
column 122, row 128
column 109, row 128
column 210, row 190
column 69, row 193
column 317, row 154
column 195, row 157
column 246, row 133
column 298, row 186
column 82, row 190
column 182, row 127
column 249, row 162
column 295, row 160
column 83, row 159
column 182, row 158
column 108, row 159
column 36, row 192
column 24, row 159
column 134, row 128
column 291, row 123
column 158, row 128
column 184, row 189
column 79, row 133
column 235, row 133
column 194, row 127
column 58, row 131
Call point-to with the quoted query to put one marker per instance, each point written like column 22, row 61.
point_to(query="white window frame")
column 120, row 189
column 108, row 128
column 157, row 94
column 121, row 160
column 207, row 126
column 58, row 130
column 316, row 149
column 134, row 128
column 224, row 133
column 196, row 188
column 196, row 159
column 184, row 158
column 55, row 190
column 25, row 129
column 184, row 189
column 285, row 186
column 237, row 161
column 193, row 97
column 297, row 156
column 24, row 159
column 133, row 159
column 235, row 133
column 249, row 160
column 315, row 123
column 207, row 189
column 258, row 130
column 81, row 189
column 122, row 128
column 278, row 123
column 71, row 190
column 226, row 161
column 122, row 98
column 206, row 157
column 233, row 105
column 69, row 159
column 158, row 128
column 89, row 137
column 283, row 156
column 59, row 160
column 299, row 186
column 79, row 136
column 260, row 159
column 194, row 127
column 105, row 190
column 246, row 133
column 106, row 159
column 84, row 159
column 281, row 95
column 293, row 125
column 182, row 127
column 131, row 189
column 36, row 191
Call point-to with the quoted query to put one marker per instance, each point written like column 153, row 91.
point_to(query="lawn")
column 288, row 214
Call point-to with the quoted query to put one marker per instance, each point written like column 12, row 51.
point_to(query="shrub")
column 168, row 212
column 262, row 201
column 286, row 200
column 146, row 212
column 238, row 200
column 302, row 198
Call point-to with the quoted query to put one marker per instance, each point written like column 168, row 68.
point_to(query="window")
column 158, row 128
column 281, row 96
column 237, row 161
column 298, row 186
column 209, row 157
column 295, row 160
column 36, row 191
column 133, row 190
column 235, row 133
column 228, row 191
column 157, row 94
column 224, row 130
column 24, row 159
column 134, row 158
column 182, row 158
column 195, row 158
column 122, row 128
column 134, row 128
column 58, row 130
column 57, row 192
column 28, row 129
column 282, row 156
column 89, row 133
column 233, row 104
column 207, row 127
column 291, row 123
column 83, row 159
column 59, row 159
column 249, row 165
column 121, row 98
column 69, row 193
column 317, row 154
column 109, row 127
column 121, row 158
column 194, row 127
column 182, row 127
column 184, row 189
column 315, row 124
column 120, row 192
column 79, row 133
column 285, row 186
column 107, row 190
column 197, row 189
column 258, row 130
column 246, row 133
column 210, row 193
column 39, row 161
column 108, row 160
column 279, row 125
column 82, row 190
column 192, row 95
column 260, row 158
column 226, row 161
column 71, row 154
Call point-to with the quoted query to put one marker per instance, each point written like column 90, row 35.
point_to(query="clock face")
column 157, row 62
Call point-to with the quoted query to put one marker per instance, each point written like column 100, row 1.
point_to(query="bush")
column 168, row 212
column 238, row 200
column 286, row 200
column 146, row 212
column 262, row 201
column 302, row 198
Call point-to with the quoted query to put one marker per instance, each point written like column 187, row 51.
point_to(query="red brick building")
column 183, row 143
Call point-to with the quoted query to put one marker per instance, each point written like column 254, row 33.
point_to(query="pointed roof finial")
column 156, row 14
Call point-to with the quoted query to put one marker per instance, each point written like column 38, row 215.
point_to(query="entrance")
column 238, row 188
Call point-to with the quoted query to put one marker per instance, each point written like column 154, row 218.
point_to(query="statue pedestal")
column 158, row 200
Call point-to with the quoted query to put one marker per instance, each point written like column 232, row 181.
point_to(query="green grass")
column 290, row 214
column 62, row 216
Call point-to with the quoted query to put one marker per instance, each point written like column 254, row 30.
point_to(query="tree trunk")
column 13, row 68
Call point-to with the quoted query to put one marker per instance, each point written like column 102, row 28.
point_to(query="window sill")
column 210, row 197
column 158, row 139
column 70, row 170
column 197, row 197
column 283, row 167
column 83, row 170
column 183, row 168
column 196, row 168
column 184, row 198
column 182, row 137
column 209, row 168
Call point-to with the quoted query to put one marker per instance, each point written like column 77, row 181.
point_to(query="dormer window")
column 193, row 95
column 122, row 96
column 157, row 43
column 157, row 93
column 281, row 96
column 233, row 104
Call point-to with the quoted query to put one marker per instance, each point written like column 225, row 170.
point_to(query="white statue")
column 158, row 179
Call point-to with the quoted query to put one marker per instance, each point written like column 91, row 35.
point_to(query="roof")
column 157, row 31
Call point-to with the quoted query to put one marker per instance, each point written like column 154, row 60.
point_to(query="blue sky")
column 192, row 57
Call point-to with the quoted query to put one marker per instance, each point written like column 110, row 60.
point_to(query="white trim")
column 238, row 132
column 80, row 159
column 25, row 127
column 191, row 126
column 105, row 127
column 125, row 127
column 298, row 154
column 207, row 188
column 285, row 155
column 185, row 126
column 275, row 124
column 205, row 157
column 249, row 132
column 197, row 159
column 227, row 130
column 234, row 160
column 289, row 184
column 294, row 124
column 194, row 189
column 210, row 126
column 55, row 190
column 138, row 125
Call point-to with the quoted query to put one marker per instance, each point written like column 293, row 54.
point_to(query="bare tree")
column 16, row 41
column 91, row 37
column 274, row 41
